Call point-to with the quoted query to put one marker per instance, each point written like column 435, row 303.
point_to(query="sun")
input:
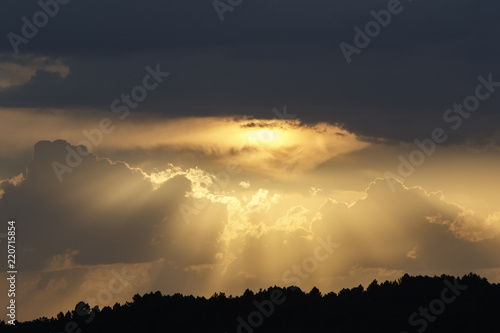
column 265, row 136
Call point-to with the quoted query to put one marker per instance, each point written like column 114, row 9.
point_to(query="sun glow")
column 266, row 136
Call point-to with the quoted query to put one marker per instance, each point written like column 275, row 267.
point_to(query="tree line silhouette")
column 410, row 304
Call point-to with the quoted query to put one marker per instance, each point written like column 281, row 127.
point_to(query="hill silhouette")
column 410, row 304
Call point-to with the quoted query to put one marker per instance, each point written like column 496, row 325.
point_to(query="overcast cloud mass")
column 193, row 149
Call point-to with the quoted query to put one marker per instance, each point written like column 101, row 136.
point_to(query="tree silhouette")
column 467, row 304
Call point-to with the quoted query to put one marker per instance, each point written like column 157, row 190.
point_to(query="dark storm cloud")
column 103, row 212
column 266, row 54
column 407, row 229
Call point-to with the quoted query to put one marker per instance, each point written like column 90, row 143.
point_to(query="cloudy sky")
column 203, row 146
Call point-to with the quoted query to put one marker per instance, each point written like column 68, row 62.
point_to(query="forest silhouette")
column 411, row 304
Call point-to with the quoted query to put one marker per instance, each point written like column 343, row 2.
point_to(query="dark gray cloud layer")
column 266, row 54
column 103, row 210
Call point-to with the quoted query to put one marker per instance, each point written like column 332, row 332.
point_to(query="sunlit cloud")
column 276, row 147
column 238, row 236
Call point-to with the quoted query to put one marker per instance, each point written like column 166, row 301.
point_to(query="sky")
column 207, row 146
